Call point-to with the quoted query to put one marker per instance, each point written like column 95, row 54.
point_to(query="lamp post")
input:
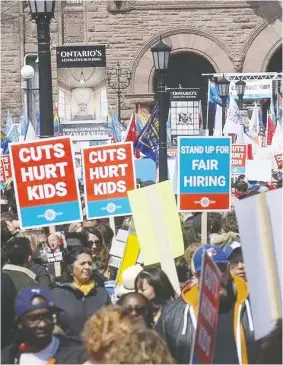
column 161, row 54
column 42, row 11
column 122, row 82
column 223, row 92
column 240, row 87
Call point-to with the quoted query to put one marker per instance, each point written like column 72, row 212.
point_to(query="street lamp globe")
column 27, row 72
column 240, row 88
column 161, row 54
column 42, row 8
column 223, row 87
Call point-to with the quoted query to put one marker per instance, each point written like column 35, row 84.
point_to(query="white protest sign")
column 258, row 170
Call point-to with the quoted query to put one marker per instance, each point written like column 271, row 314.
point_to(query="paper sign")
column 45, row 182
column 5, row 169
column 108, row 174
column 258, row 170
column 204, row 176
column 239, row 154
column 260, row 220
column 154, row 207
column 279, row 158
column 204, row 338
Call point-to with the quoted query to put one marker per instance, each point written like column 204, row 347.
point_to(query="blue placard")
column 204, row 173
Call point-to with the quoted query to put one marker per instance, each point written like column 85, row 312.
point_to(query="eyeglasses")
column 34, row 320
column 139, row 309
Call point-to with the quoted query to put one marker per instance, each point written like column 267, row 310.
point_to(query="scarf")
column 85, row 288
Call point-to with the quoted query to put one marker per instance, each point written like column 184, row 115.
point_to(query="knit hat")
column 128, row 278
column 214, row 252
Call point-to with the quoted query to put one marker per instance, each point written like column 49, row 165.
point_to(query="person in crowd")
column 235, row 257
column 56, row 242
column 154, row 284
column 138, row 307
column 229, row 223
column 141, row 346
column 39, row 269
column 78, row 296
column 11, row 221
column 129, row 276
column 18, row 253
column 74, row 227
column 102, row 330
column 183, row 270
column 107, row 234
column 270, row 346
column 96, row 244
column 8, row 296
column 234, row 342
column 91, row 223
column 76, row 240
column 34, row 309
column 188, row 257
column 241, row 188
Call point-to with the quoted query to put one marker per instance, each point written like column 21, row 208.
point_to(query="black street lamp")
column 42, row 11
column 161, row 54
column 223, row 92
column 240, row 88
column 123, row 81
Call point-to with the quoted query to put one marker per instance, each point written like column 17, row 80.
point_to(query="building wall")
column 235, row 36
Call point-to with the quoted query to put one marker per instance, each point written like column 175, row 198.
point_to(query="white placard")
column 258, row 170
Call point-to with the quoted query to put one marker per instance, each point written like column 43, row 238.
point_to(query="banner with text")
column 5, row 169
column 278, row 159
column 204, row 339
column 45, row 182
column 239, row 155
column 108, row 174
column 204, row 175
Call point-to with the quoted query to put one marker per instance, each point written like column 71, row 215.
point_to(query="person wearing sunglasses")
column 138, row 307
column 35, row 311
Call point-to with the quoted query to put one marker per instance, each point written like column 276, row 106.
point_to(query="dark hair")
column 81, row 236
column 241, row 186
column 18, row 249
column 147, row 303
column 270, row 346
column 162, row 286
column 96, row 232
column 214, row 222
column 5, row 233
column 183, row 270
column 7, row 216
column 230, row 223
column 71, row 257
column 107, row 233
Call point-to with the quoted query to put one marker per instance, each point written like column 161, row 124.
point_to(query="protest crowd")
column 72, row 310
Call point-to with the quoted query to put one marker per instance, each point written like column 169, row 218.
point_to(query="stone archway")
column 180, row 40
column 261, row 46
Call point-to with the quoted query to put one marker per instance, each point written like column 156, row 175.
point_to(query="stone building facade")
column 231, row 36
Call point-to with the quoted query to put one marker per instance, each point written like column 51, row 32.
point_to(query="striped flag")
column 117, row 127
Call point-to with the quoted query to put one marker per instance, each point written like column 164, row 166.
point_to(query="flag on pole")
column 23, row 121
column 233, row 125
column 214, row 94
column 56, row 123
column 131, row 134
column 254, row 122
column 30, row 135
column 218, row 121
column 271, row 127
column 14, row 135
column 117, row 127
column 9, row 124
column 147, row 141
column 141, row 118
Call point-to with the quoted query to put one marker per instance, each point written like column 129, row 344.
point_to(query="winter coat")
column 70, row 351
column 21, row 276
column 42, row 275
column 178, row 322
column 75, row 308
column 8, row 296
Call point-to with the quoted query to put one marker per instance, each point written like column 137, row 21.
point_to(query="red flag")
column 249, row 151
column 131, row 133
column 271, row 127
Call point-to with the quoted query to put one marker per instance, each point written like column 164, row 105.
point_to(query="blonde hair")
column 103, row 329
column 141, row 346
column 190, row 252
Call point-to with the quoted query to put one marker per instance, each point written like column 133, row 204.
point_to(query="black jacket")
column 75, row 308
column 70, row 351
column 178, row 321
column 42, row 275
column 8, row 296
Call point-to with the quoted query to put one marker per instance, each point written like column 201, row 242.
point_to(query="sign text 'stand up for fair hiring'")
column 45, row 182
column 108, row 174
column 204, row 175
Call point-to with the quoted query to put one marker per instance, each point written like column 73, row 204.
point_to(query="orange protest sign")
column 5, row 170
column 45, row 183
column 239, row 155
column 108, row 174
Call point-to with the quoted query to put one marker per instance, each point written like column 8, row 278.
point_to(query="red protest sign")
column 5, row 172
column 239, row 155
column 44, row 176
column 204, row 339
column 108, row 174
column 279, row 159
